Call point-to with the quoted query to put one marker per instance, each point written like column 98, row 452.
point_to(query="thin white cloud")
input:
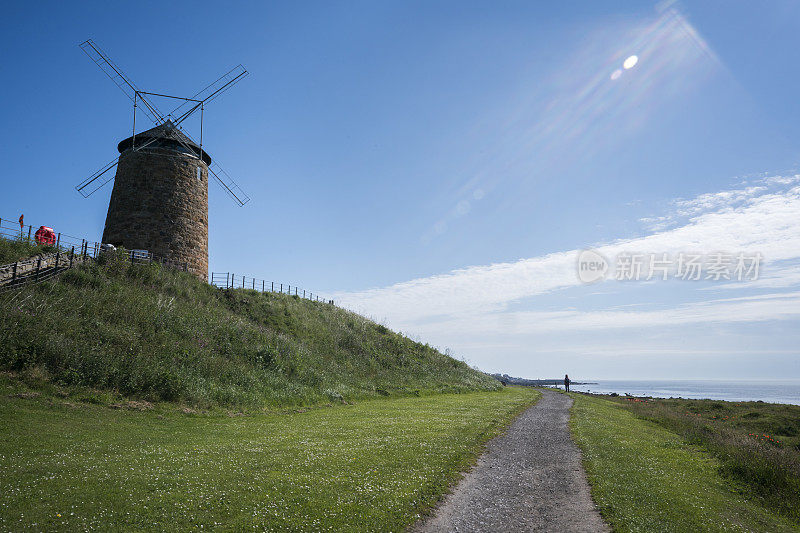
column 732, row 310
column 683, row 209
column 752, row 219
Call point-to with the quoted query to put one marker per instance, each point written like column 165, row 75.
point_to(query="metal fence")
column 228, row 280
column 37, row 269
column 11, row 229
column 61, row 251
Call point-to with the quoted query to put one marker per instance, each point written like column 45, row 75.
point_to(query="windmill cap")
column 166, row 135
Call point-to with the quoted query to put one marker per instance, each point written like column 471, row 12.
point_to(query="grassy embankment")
column 114, row 330
column 373, row 466
column 646, row 477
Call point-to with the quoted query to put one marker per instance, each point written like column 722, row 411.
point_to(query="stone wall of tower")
column 159, row 204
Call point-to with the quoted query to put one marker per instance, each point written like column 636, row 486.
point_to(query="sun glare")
column 630, row 62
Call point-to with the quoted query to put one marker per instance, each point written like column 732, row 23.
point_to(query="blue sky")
column 439, row 165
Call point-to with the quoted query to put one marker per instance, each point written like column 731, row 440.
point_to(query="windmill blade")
column 216, row 170
column 186, row 114
column 209, row 93
column 225, row 82
column 125, row 84
column 94, row 182
column 230, row 186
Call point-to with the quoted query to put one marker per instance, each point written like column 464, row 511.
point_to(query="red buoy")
column 45, row 236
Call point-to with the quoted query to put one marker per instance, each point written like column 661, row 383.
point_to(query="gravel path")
column 529, row 479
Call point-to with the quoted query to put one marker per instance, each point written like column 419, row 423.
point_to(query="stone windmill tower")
column 160, row 198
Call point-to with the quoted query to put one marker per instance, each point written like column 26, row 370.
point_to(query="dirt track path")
column 529, row 479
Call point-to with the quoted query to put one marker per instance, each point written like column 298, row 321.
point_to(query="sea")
column 783, row 391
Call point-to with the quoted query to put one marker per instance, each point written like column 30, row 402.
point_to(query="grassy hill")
column 143, row 331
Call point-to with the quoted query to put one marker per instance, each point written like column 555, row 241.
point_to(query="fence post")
column 304, row 293
column 254, row 283
column 281, row 288
column 29, row 233
column 295, row 290
column 262, row 285
column 273, row 287
column 58, row 256
column 71, row 255
column 58, row 240
column 14, row 272
column 38, row 268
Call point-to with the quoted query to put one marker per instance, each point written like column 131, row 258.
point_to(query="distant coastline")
column 769, row 391
column 525, row 382
column 778, row 391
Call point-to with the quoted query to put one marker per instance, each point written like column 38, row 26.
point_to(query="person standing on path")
column 566, row 382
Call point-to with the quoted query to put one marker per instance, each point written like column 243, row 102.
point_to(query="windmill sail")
column 121, row 80
column 93, row 183
column 216, row 170
column 208, row 94
column 230, row 186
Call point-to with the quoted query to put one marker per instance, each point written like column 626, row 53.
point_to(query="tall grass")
column 20, row 248
column 757, row 443
column 647, row 478
column 150, row 332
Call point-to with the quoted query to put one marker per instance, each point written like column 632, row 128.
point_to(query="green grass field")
column 756, row 443
column 372, row 466
column 647, row 478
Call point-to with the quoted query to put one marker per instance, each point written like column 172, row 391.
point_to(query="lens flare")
column 630, row 62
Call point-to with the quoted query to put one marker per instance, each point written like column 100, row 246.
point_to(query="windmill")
column 160, row 197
